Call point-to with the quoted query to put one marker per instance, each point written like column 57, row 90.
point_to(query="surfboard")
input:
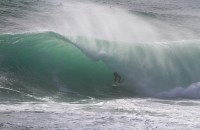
column 116, row 84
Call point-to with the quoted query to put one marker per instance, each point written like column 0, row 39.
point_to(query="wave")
column 150, row 68
column 49, row 64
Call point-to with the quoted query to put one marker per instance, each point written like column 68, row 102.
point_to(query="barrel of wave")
column 47, row 63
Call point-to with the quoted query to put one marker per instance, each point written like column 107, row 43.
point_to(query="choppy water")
column 134, row 113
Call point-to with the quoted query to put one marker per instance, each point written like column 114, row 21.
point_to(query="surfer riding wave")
column 117, row 78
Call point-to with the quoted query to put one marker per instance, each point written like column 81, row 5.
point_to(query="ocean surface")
column 57, row 60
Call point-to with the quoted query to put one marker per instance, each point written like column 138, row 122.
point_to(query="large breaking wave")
column 47, row 64
column 66, row 49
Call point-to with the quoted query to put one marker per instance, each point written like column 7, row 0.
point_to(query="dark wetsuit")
column 117, row 78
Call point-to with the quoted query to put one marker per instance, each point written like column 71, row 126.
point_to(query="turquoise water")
column 43, row 64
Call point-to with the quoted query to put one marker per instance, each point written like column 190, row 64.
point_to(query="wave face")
column 45, row 65
column 48, row 64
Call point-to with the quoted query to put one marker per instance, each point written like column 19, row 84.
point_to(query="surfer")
column 117, row 78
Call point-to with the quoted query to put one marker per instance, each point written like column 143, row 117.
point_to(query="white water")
column 192, row 91
column 140, row 114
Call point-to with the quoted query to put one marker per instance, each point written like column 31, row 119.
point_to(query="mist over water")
column 109, row 20
column 88, row 20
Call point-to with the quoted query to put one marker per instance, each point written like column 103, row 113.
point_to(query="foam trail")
column 24, row 94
